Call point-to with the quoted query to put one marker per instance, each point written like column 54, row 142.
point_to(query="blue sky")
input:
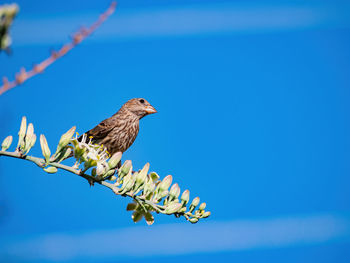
column 253, row 118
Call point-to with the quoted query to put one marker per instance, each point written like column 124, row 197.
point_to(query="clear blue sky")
column 253, row 102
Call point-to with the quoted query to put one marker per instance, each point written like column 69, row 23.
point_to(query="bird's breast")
column 122, row 136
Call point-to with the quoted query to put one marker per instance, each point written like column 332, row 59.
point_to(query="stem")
column 38, row 161
column 140, row 203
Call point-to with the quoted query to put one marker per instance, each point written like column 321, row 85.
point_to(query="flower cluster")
column 93, row 162
column 7, row 14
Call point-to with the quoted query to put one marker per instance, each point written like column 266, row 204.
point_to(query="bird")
column 119, row 132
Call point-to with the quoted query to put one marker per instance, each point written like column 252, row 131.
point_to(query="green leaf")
column 154, row 176
column 131, row 206
column 149, row 218
column 136, row 216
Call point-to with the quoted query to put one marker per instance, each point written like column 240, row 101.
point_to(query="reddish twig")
column 78, row 37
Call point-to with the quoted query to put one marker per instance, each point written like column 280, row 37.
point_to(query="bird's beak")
column 150, row 109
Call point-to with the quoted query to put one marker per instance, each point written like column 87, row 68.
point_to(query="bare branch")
column 78, row 37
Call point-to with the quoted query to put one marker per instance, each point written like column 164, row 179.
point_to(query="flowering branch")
column 78, row 37
column 92, row 162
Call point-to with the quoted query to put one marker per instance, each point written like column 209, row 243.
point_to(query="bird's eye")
column 142, row 100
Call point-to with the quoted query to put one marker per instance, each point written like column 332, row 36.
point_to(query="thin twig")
column 38, row 161
column 78, row 37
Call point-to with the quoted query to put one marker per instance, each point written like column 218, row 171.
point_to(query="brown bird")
column 118, row 132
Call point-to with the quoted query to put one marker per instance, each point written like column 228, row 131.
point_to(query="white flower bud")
column 173, row 208
column 164, row 185
column 6, row 143
column 206, row 214
column 22, row 132
column 174, row 191
column 45, row 147
column 50, row 170
column 65, row 139
column 193, row 220
column 142, row 175
column 115, row 159
column 28, row 144
column 202, row 206
column 124, row 170
column 185, row 197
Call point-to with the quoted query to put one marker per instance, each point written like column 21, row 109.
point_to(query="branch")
column 94, row 164
column 78, row 37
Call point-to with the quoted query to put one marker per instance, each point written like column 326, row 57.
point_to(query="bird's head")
column 140, row 107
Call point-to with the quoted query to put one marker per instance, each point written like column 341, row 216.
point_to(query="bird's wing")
column 101, row 130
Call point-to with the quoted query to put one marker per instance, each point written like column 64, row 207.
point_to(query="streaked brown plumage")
column 118, row 132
